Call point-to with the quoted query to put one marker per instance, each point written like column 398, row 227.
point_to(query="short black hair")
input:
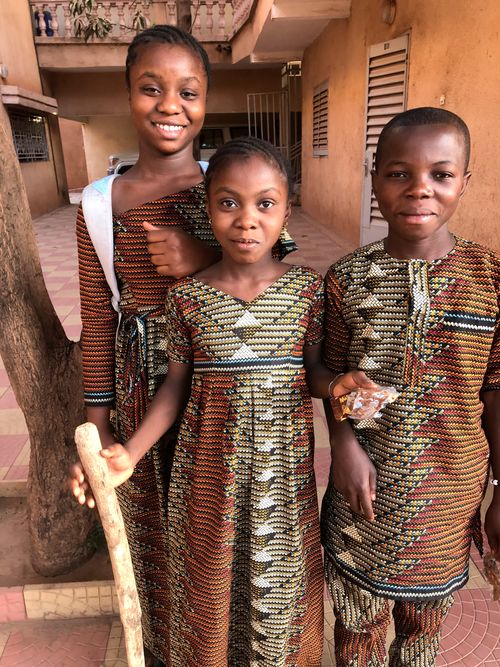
column 424, row 116
column 166, row 34
column 244, row 148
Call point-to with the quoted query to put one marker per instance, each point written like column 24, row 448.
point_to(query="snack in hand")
column 363, row 403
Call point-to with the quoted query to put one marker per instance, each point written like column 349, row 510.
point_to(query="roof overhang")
column 28, row 99
column 281, row 30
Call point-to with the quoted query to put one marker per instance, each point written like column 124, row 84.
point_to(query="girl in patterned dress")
column 124, row 363
column 244, row 562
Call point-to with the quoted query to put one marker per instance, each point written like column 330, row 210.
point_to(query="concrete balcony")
column 212, row 21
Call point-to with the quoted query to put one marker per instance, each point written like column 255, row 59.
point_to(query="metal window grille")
column 30, row 137
column 320, row 120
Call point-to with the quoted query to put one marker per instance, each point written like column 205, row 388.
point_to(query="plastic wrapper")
column 363, row 403
column 492, row 573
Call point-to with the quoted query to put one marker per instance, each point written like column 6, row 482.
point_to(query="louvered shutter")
column 386, row 96
column 320, row 120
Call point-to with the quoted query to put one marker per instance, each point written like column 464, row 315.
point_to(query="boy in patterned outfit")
column 418, row 311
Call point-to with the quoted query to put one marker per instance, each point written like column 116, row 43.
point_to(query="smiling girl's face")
column 168, row 89
column 248, row 204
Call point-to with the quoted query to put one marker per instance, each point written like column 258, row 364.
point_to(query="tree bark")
column 184, row 14
column 44, row 370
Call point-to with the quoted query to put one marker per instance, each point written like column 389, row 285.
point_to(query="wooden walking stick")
column 96, row 469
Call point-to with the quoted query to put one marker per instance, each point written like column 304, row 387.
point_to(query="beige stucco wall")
column 17, row 49
column 45, row 182
column 454, row 51
column 83, row 94
column 104, row 135
column 99, row 100
column 74, row 153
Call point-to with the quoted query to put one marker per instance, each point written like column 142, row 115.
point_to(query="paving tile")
column 10, row 448
column 12, row 604
column 57, row 644
column 12, row 422
column 17, row 473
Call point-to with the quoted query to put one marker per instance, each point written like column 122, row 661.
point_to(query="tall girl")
column 244, row 563
column 124, row 363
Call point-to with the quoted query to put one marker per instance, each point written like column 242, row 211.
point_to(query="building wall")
column 17, row 49
column 74, row 153
column 45, row 182
column 454, row 54
column 104, row 135
column 99, row 101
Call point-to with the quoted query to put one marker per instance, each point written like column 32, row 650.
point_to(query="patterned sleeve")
column 179, row 347
column 99, row 323
column 336, row 342
column 491, row 380
column 314, row 333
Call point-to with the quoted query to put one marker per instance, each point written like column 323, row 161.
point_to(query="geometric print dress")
column 244, row 561
column 124, row 364
column 431, row 330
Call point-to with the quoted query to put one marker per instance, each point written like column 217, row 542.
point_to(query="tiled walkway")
column 472, row 631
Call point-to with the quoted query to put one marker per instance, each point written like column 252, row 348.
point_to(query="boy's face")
column 419, row 181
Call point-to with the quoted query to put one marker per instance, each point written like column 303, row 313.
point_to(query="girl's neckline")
column 158, row 199
column 438, row 260
column 237, row 299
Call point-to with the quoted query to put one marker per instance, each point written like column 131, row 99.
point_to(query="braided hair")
column 244, row 148
column 166, row 34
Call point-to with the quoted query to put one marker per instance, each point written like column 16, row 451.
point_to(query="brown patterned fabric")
column 431, row 330
column 245, row 571
column 362, row 620
column 123, row 369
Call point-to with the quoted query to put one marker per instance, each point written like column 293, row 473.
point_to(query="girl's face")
column 168, row 89
column 248, row 204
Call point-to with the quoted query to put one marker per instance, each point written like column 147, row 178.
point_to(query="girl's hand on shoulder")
column 120, row 468
column 351, row 381
column 176, row 253
column 492, row 524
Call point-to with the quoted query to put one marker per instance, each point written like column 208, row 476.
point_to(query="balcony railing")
column 212, row 20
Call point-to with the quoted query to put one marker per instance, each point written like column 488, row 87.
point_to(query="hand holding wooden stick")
column 96, row 470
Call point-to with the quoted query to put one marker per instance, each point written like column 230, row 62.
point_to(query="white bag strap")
column 98, row 212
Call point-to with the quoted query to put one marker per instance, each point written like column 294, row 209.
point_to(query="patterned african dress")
column 431, row 330
column 245, row 570
column 123, row 366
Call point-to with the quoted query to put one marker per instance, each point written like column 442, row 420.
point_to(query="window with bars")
column 320, row 120
column 30, row 136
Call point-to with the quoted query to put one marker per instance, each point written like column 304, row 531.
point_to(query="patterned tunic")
column 244, row 554
column 124, row 369
column 430, row 329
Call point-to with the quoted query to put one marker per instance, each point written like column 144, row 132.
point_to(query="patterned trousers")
column 362, row 620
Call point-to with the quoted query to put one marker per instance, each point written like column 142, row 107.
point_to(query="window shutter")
column 320, row 120
column 387, row 66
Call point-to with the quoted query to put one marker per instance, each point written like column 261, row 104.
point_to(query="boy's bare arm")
column 176, row 253
column 323, row 383
column 491, row 425
column 354, row 475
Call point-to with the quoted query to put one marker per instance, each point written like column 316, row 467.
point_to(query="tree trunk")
column 184, row 14
column 44, row 370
